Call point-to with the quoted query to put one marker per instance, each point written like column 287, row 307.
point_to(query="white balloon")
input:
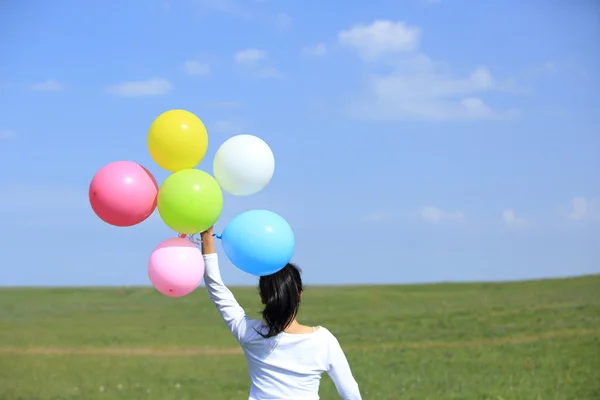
column 244, row 165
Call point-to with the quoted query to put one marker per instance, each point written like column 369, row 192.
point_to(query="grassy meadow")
column 526, row 340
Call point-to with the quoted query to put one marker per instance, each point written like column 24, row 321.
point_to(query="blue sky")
column 415, row 141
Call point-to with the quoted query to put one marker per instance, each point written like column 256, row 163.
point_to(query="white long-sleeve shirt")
column 286, row 366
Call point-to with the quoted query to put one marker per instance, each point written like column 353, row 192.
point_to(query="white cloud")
column 248, row 10
column 226, row 105
column 282, row 20
column 579, row 208
column 227, row 127
column 7, row 135
column 231, row 7
column 584, row 208
column 34, row 206
column 50, row 85
column 380, row 37
column 252, row 63
column 150, row 87
column 196, row 68
column 429, row 94
column 510, row 219
column 42, row 198
column 249, row 56
column 320, row 49
column 269, row 72
column 549, row 67
column 416, row 87
column 379, row 216
column 434, row 215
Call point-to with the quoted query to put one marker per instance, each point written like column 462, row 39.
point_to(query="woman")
column 285, row 359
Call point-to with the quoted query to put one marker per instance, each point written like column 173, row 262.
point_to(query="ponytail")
column 280, row 294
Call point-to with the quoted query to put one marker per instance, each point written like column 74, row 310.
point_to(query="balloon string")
column 194, row 239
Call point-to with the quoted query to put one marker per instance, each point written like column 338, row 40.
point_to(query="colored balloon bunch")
column 190, row 201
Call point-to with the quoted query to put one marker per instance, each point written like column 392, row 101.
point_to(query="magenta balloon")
column 176, row 267
column 123, row 193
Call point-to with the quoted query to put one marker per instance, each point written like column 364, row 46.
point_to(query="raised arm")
column 340, row 373
column 233, row 314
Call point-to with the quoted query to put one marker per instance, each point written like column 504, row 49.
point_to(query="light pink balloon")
column 176, row 267
column 123, row 193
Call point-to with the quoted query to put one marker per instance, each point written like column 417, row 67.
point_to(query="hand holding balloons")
column 190, row 201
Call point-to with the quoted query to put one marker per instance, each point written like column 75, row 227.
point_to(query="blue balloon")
column 258, row 242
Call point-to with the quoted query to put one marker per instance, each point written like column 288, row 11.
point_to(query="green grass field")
column 526, row 340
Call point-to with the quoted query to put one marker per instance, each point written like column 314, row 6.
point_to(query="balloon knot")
column 218, row 236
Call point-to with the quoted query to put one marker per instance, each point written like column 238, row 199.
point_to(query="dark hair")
column 280, row 293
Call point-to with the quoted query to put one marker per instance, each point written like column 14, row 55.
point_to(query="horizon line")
column 324, row 285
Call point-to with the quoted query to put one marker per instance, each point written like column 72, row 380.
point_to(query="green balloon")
column 190, row 201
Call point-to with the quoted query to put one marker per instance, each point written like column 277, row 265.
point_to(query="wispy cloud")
column 584, row 208
column 249, row 56
column 252, row 61
column 150, row 87
column 512, row 220
column 379, row 38
column 417, row 87
column 283, row 20
column 225, row 105
column 578, row 208
column 7, row 135
column 196, row 68
column 35, row 206
column 379, row 216
column 231, row 7
column 269, row 72
column 435, row 215
column 42, row 198
column 550, row 68
column 246, row 10
column 317, row 50
column 227, row 127
column 49, row 85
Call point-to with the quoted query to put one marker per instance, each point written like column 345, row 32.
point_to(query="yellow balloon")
column 177, row 140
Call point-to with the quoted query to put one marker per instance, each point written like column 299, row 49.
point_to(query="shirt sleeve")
column 340, row 373
column 232, row 313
